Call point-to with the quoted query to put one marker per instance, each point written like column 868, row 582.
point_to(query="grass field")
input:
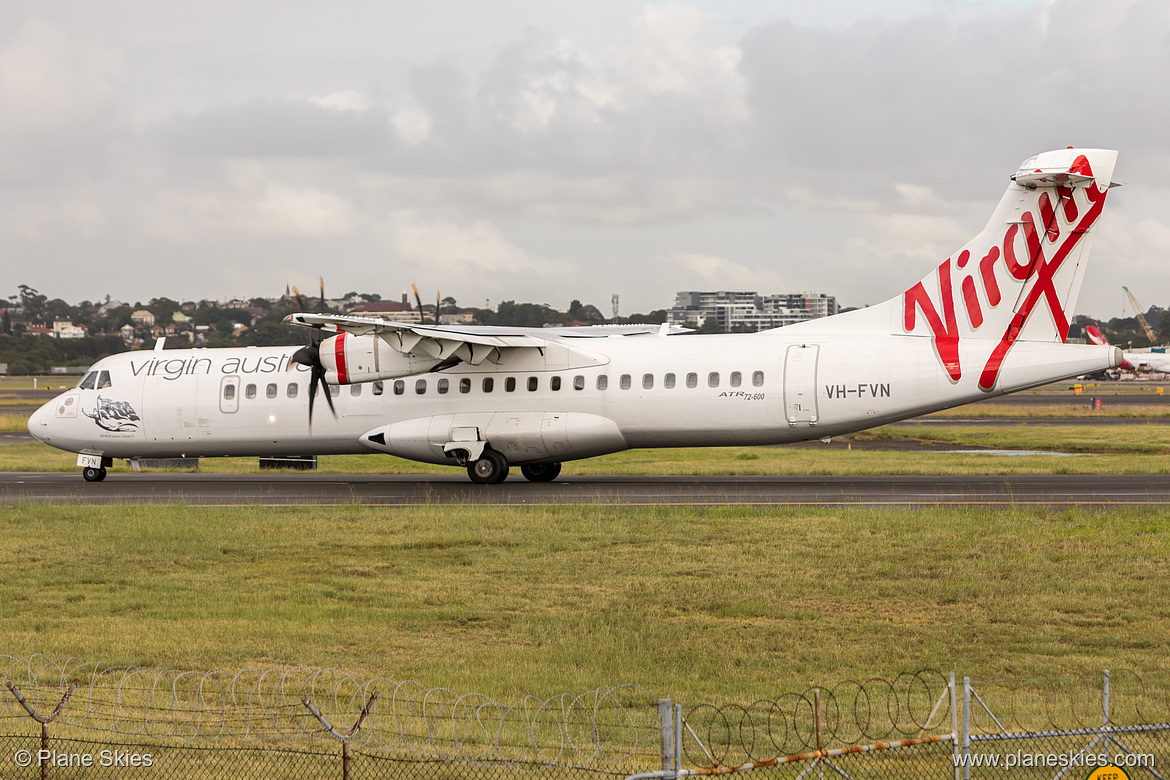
column 708, row 603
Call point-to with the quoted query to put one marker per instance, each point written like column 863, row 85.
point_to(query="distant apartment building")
column 748, row 311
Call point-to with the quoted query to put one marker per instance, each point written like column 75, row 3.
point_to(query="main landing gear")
column 491, row 468
column 541, row 472
column 92, row 474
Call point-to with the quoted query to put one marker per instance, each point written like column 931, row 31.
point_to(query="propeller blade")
column 438, row 305
column 328, row 395
column 321, row 279
column 419, row 300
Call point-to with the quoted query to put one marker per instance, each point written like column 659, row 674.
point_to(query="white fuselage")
column 577, row 398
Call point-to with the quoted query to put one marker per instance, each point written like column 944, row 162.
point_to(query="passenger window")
column 334, row 390
column 578, row 382
column 355, row 390
column 104, row 380
column 602, row 382
column 713, row 379
column 625, row 381
column 758, row 379
column 420, row 387
column 647, row 381
column 668, row 381
column 89, row 381
column 250, row 391
column 378, row 387
column 692, row 380
column 465, row 385
column 510, row 384
column 292, row 390
column 532, row 384
column 554, row 383
column 488, row 384
column 270, row 391
column 229, row 392
column 443, row 385
column 736, row 378
column 399, row 387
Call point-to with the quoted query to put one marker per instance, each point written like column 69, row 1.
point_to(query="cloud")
column 711, row 272
column 480, row 250
column 347, row 100
column 286, row 128
column 51, row 82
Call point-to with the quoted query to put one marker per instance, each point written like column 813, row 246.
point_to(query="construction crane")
column 1141, row 317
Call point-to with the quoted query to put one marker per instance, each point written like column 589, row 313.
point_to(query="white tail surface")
column 1018, row 280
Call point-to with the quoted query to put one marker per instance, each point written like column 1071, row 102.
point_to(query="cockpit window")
column 103, row 380
column 89, row 382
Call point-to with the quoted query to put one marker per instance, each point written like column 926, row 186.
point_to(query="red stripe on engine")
column 339, row 356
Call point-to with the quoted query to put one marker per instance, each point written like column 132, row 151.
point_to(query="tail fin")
column 1095, row 336
column 1019, row 279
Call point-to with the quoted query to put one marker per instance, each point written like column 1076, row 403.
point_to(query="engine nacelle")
column 523, row 437
column 349, row 359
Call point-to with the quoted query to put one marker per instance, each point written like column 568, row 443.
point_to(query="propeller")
column 310, row 355
column 422, row 315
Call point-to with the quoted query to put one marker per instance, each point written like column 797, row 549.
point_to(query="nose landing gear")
column 91, row 474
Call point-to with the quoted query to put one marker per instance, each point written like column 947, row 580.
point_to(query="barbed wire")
column 1072, row 702
column 593, row 729
column 851, row 713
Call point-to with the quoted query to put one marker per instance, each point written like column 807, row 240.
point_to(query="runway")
column 393, row 491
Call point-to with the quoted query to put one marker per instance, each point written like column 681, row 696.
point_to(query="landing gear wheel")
column 94, row 475
column 490, row 469
column 541, row 472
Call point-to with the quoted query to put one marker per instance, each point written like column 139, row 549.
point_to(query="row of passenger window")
column 271, row 391
column 625, row 382
column 488, row 384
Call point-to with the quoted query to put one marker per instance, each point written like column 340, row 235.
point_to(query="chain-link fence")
column 64, row 718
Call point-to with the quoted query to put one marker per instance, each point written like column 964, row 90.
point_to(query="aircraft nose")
column 38, row 423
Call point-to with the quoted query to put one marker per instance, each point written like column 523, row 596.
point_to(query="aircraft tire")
column 490, row 469
column 541, row 472
column 94, row 475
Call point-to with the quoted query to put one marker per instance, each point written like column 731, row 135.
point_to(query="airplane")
column 1153, row 359
column 990, row 319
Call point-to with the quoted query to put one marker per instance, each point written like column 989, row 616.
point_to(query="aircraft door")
column 229, row 394
column 800, row 384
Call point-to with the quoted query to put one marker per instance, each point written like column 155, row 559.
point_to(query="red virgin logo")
column 1034, row 248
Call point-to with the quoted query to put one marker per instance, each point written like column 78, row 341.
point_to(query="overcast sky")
column 543, row 151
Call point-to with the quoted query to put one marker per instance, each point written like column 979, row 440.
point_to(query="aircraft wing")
column 471, row 343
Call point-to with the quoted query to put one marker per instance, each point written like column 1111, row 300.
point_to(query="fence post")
column 967, row 728
column 344, row 737
column 666, row 735
column 955, row 750
column 1105, row 702
column 44, row 720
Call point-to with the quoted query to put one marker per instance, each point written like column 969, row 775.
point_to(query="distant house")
column 462, row 317
column 143, row 318
column 64, row 329
column 180, row 317
column 389, row 310
column 127, row 333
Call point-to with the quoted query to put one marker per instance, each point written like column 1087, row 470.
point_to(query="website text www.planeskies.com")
column 1069, row 760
